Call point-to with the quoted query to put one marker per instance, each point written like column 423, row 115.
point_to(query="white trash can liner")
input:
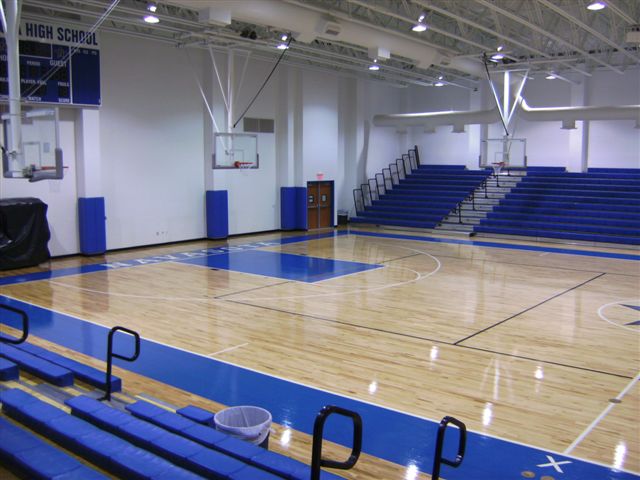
column 247, row 423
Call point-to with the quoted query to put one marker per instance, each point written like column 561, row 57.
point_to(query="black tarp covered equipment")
column 24, row 233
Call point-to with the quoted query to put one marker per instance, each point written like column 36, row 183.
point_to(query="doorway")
column 319, row 205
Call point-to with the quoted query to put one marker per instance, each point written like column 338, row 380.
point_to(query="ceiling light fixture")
column 595, row 6
column 420, row 26
column 285, row 40
column 152, row 7
column 374, row 66
column 551, row 76
column 151, row 19
column 438, row 84
column 499, row 49
column 497, row 56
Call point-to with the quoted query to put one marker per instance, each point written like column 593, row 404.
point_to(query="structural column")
column 91, row 202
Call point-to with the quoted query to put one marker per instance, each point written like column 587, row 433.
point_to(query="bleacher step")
column 44, row 369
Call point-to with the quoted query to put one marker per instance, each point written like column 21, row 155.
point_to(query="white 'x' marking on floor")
column 554, row 464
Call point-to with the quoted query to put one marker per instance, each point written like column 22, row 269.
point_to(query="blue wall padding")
column 217, row 214
column 293, row 208
column 92, row 226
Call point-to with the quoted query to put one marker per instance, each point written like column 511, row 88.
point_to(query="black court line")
column 499, row 262
column 548, row 362
column 250, row 290
column 402, row 258
column 354, row 325
column 527, row 309
column 440, row 342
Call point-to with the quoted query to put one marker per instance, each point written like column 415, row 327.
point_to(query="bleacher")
column 423, row 197
column 602, row 205
column 64, row 429
column 138, row 441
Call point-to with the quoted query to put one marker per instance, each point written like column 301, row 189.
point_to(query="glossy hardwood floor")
column 524, row 345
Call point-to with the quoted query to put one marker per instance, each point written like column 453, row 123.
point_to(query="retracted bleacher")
column 602, row 205
column 424, row 197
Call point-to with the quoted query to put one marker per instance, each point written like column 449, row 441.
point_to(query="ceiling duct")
column 329, row 28
column 567, row 115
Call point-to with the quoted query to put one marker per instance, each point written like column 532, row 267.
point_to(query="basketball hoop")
column 497, row 167
column 242, row 164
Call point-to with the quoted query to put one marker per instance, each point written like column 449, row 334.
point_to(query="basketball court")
column 533, row 346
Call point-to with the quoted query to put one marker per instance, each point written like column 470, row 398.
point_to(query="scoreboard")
column 49, row 73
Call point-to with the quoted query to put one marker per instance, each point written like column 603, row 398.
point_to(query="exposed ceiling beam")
column 482, row 28
column 595, row 33
column 432, row 28
column 544, row 32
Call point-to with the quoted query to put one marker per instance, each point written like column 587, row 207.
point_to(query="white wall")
column 445, row 147
column 614, row 141
column 152, row 146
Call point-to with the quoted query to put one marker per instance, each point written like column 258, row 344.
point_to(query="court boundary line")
column 529, row 309
column 508, row 246
column 547, row 362
column 600, row 417
column 221, row 297
column 604, row 317
column 230, row 349
column 355, row 399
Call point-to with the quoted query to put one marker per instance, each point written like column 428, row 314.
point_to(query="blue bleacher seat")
column 99, row 447
column 22, row 451
column 44, row 369
column 8, row 370
column 178, row 449
column 245, row 451
column 423, row 198
column 197, row 414
column 600, row 206
column 85, row 373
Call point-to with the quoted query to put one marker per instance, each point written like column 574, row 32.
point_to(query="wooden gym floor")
column 534, row 346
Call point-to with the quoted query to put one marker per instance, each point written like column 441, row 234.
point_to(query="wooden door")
column 325, row 205
column 319, row 205
column 312, row 205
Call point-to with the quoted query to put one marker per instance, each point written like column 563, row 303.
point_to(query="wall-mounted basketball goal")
column 38, row 155
column 510, row 152
column 235, row 150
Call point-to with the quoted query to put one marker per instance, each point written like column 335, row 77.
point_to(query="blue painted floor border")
column 394, row 436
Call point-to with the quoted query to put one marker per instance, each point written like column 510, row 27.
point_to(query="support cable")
column 265, row 82
column 484, row 61
column 52, row 71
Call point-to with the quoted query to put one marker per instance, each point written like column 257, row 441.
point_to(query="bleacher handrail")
column 462, row 443
column 318, row 429
column 25, row 325
column 111, row 355
column 399, row 170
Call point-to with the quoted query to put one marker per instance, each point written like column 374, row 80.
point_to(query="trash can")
column 248, row 423
column 343, row 217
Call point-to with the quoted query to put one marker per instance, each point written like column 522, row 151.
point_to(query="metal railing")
column 317, row 462
column 111, row 355
column 472, row 196
column 25, row 326
column 462, row 443
column 385, row 181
